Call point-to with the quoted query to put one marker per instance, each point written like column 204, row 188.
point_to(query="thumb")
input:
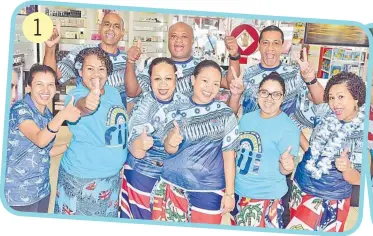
column 344, row 154
column 176, row 125
column 96, row 86
column 295, row 57
column 138, row 44
column 234, row 73
column 286, row 153
column 144, row 132
column 227, row 33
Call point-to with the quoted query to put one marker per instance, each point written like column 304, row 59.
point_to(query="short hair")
column 101, row 55
column 271, row 28
column 355, row 86
column 36, row 68
column 160, row 60
column 274, row 76
column 123, row 23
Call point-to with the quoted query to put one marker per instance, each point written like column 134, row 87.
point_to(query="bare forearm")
column 58, row 150
column 229, row 171
column 234, row 103
column 81, row 105
column 352, row 176
column 132, row 86
column 304, row 144
column 317, row 93
column 50, row 58
column 236, row 66
column 44, row 136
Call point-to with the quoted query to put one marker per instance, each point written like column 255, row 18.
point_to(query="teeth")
column 163, row 91
column 207, row 94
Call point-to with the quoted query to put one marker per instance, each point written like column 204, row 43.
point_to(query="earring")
column 355, row 107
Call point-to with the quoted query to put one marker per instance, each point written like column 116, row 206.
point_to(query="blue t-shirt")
column 151, row 113
column 208, row 131
column 330, row 186
column 296, row 103
column 27, row 167
column 262, row 141
column 98, row 147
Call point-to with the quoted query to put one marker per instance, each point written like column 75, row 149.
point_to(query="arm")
column 133, row 88
column 316, row 92
column 304, row 144
column 343, row 164
column 81, row 105
column 352, row 176
column 234, row 103
column 173, row 140
column 229, row 171
column 58, row 150
column 229, row 77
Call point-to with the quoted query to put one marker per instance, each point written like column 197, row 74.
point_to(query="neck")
column 268, row 116
column 269, row 67
column 112, row 49
column 197, row 101
column 41, row 108
column 181, row 59
column 353, row 116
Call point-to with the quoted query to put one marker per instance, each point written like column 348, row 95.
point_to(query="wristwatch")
column 229, row 195
column 314, row 81
column 234, row 58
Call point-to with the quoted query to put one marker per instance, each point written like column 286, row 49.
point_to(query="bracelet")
column 52, row 131
column 314, row 81
column 235, row 58
column 229, row 195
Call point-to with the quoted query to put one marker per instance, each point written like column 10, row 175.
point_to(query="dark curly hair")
column 355, row 86
column 101, row 55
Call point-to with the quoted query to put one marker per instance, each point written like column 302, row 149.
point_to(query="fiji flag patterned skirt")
column 87, row 197
column 308, row 212
column 171, row 203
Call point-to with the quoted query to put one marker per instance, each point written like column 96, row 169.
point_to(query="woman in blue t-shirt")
column 321, row 193
column 269, row 141
column 88, row 179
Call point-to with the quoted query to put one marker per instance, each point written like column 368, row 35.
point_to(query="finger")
column 96, row 85
column 227, row 33
column 305, row 56
column 138, row 44
column 144, row 132
column 345, row 153
column 295, row 57
column 234, row 73
column 288, row 150
column 176, row 125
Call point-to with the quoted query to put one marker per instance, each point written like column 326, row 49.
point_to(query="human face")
column 270, row 106
column 93, row 69
column 342, row 103
column 206, row 85
column 111, row 29
column 163, row 81
column 180, row 41
column 42, row 89
column 14, row 88
column 270, row 47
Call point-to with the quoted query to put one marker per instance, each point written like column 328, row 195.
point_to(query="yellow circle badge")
column 37, row 27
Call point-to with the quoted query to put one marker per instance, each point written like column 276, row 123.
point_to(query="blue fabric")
column 262, row 141
column 27, row 165
column 98, row 147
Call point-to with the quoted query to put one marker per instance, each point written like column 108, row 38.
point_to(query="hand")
column 286, row 160
column 134, row 53
column 174, row 137
column 231, row 44
column 71, row 113
column 236, row 86
column 145, row 141
column 56, row 36
column 93, row 99
column 343, row 163
column 307, row 70
column 227, row 204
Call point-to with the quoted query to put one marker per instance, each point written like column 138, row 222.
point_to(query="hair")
column 274, row 76
column 101, row 55
column 160, row 60
column 354, row 83
column 36, row 68
column 206, row 64
column 271, row 28
column 123, row 24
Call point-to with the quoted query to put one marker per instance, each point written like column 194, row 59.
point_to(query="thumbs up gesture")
column 70, row 112
column 93, row 99
column 55, row 37
column 231, row 44
column 134, row 52
column 307, row 70
column 236, row 86
column 286, row 160
column 146, row 142
column 174, row 137
column 343, row 163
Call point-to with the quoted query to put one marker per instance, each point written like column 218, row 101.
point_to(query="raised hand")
column 286, row 160
column 93, row 99
column 134, row 52
column 231, row 44
column 174, row 137
column 307, row 70
column 56, row 36
column 236, row 86
column 343, row 163
column 70, row 112
column 146, row 142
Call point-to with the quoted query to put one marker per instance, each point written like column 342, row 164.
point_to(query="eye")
column 265, row 43
column 340, row 96
column 184, row 37
column 106, row 24
column 117, row 26
column 217, row 85
column 331, row 98
column 168, row 78
column 157, row 79
column 204, row 80
column 89, row 68
column 173, row 36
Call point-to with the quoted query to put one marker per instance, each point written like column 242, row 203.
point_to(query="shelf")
column 325, row 71
column 150, row 22
column 71, row 17
column 150, row 41
column 74, row 27
column 328, row 58
column 347, row 61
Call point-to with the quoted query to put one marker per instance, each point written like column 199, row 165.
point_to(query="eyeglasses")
column 275, row 95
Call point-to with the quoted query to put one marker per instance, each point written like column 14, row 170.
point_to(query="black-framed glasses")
column 264, row 94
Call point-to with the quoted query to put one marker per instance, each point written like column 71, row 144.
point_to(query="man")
column 111, row 30
column 180, row 42
column 14, row 88
column 302, row 87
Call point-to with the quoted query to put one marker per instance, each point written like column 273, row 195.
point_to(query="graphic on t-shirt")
column 116, row 133
column 249, row 153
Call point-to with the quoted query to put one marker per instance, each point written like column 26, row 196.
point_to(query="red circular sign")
column 242, row 31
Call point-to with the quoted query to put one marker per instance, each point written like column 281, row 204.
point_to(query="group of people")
column 156, row 144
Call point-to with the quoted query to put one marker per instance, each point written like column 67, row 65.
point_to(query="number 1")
column 37, row 27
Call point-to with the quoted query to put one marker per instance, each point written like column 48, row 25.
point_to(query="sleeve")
column 231, row 137
column 66, row 65
column 78, row 93
column 290, row 137
column 19, row 114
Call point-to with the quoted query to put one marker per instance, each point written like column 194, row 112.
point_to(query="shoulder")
column 20, row 106
column 287, row 123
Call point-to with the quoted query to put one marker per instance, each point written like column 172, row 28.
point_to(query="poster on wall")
column 335, row 35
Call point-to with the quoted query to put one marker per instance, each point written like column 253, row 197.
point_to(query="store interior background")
column 80, row 26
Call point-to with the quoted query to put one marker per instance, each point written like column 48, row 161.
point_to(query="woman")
column 88, row 179
column 145, row 141
column 32, row 132
column 323, row 180
column 197, row 180
column 269, row 141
